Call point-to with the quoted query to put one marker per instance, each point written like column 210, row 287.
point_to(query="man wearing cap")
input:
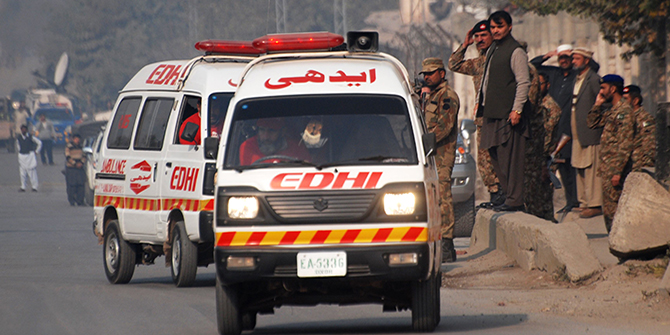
column 585, row 141
column 616, row 144
column 75, row 175
column 561, row 83
column 27, row 145
column 480, row 34
column 270, row 140
column 502, row 100
column 644, row 149
column 441, row 114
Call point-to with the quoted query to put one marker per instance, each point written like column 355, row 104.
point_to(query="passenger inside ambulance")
column 271, row 144
column 189, row 131
column 218, row 104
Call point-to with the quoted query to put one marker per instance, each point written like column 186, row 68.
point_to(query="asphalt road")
column 52, row 282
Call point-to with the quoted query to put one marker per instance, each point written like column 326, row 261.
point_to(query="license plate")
column 322, row 264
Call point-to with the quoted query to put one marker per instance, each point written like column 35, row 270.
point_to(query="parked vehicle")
column 463, row 179
column 62, row 118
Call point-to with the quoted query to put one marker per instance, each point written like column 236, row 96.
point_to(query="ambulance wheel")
column 119, row 255
column 228, row 315
column 279, row 157
column 426, row 304
column 184, row 261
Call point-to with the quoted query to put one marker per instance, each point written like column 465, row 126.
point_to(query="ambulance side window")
column 218, row 106
column 189, row 107
column 153, row 122
column 124, row 121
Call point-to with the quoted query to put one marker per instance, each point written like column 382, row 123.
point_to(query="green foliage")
column 640, row 24
column 109, row 41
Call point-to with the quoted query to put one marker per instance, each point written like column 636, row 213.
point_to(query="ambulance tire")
column 228, row 315
column 184, row 260
column 464, row 215
column 426, row 304
column 119, row 255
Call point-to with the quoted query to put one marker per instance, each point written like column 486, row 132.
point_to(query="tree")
column 640, row 24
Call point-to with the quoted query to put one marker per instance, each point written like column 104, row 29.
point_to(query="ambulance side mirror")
column 429, row 144
column 211, row 147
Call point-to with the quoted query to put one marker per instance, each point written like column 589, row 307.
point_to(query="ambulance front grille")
column 341, row 207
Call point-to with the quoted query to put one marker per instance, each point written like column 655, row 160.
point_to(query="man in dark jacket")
column 75, row 176
column 503, row 99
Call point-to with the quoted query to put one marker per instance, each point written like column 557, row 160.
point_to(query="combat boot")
column 448, row 250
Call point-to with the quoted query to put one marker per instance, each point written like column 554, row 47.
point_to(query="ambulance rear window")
column 324, row 130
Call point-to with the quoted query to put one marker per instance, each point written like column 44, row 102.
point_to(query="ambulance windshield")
column 320, row 131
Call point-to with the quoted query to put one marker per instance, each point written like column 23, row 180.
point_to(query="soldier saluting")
column 441, row 114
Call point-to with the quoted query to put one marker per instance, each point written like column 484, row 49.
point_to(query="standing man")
column 561, row 81
column 503, row 98
column 616, row 143
column 27, row 146
column 21, row 116
column 75, row 176
column 441, row 114
column 46, row 132
column 644, row 149
column 539, row 189
column 585, row 140
column 480, row 34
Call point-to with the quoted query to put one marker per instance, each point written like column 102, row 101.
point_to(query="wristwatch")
column 518, row 112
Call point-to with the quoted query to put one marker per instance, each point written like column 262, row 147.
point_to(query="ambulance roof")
column 324, row 73
column 201, row 74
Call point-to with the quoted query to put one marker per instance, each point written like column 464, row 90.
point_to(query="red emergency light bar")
column 298, row 42
column 227, row 47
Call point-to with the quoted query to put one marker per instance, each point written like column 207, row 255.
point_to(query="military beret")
column 481, row 26
column 632, row 89
column 612, row 79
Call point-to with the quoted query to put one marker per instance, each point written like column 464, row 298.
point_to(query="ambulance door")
column 183, row 166
column 143, row 179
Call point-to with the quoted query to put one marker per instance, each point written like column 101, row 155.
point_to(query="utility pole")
column 340, row 16
column 280, row 11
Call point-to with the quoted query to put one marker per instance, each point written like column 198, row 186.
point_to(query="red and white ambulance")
column 151, row 198
column 326, row 188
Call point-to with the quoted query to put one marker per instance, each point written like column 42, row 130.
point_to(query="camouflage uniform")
column 616, row 147
column 644, row 149
column 441, row 115
column 538, row 194
column 475, row 67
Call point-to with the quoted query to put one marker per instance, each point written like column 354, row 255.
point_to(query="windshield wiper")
column 364, row 159
column 298, row 162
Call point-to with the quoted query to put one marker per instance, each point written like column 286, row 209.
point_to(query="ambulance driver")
column 271, row 140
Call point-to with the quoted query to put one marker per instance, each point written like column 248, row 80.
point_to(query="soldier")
column 616, row 142
column 480, row 34
column 644, row 149
column 441, row 114
column 75, row 175
column 539, row 190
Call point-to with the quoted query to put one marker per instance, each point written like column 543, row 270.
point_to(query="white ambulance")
column 327, row 189
column 151, row 198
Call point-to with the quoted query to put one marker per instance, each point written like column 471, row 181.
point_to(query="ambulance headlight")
column 242, row 207
column 399, row 203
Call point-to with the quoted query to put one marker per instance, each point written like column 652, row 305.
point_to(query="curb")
column 561, row 249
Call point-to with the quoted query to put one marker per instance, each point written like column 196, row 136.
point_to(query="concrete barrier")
column 534, row 243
